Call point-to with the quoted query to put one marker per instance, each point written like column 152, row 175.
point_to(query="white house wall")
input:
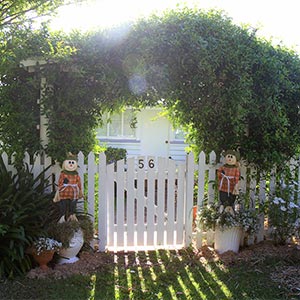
column 154, row 137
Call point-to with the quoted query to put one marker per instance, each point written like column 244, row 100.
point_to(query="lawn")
column 163, row 274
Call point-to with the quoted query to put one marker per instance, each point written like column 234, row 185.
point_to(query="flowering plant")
column 283, row 214
column 249, row 221
column 44, row 243
column 209, row 217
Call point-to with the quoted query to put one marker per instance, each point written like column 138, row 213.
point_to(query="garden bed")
column 286, row 274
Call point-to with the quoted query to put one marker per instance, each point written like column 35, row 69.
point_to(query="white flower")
column 278, row 200
column 293, row 205
column 297, row 222
column 46, row 244
column 283, row 208
column 283, row 185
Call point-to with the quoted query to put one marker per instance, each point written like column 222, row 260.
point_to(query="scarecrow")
column 69, row 189
column 229, row 175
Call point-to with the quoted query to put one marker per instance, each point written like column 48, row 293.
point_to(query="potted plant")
column 228, row 226
column 43, row 250
column 72, row 234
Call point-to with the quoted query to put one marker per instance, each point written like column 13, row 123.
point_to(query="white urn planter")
column 228, row 239
column 69, row 255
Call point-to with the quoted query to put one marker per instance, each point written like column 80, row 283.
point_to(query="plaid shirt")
column 228, row 178
column 69, row 186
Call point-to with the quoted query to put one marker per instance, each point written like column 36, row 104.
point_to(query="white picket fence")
column 147, row 202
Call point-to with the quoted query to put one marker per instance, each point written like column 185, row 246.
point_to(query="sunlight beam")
column 140, row 272
column 129, row 278
column 93, row 287
column 117, row 278
column 163, row 268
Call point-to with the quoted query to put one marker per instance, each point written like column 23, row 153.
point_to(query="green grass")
column 156, row 275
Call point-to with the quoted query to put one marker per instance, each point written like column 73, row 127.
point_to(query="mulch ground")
column 286, row 275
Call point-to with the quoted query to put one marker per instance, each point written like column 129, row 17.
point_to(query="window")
column 118, row 125
column 179, row 134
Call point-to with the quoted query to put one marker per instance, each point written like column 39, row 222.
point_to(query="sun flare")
column 96, row 14
column 106, row 13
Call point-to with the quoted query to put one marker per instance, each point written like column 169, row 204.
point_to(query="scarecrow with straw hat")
column 69, row 188
column 229, row 176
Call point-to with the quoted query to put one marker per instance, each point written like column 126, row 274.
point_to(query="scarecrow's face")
column 230, row 159
column 70, row 165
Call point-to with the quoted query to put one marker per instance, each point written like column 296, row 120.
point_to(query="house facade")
column 152, row 135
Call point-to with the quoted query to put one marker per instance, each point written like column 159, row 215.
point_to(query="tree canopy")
column 229, row 88
column 17, row 12
column 19, row 112
column 224, row 85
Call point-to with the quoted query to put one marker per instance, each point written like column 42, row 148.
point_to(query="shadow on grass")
column 165, row 274
column 149, row 275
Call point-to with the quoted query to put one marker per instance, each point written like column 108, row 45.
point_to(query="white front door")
column 153, row 131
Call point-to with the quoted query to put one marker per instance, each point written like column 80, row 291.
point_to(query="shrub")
column 284, row 213
column 209, row 217
column 23, row 209
column 115, row 154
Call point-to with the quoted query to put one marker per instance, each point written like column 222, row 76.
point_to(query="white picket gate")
column 147, row 202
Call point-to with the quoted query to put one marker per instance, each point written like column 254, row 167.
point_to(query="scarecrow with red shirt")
column 229, row 176
column 69, row 189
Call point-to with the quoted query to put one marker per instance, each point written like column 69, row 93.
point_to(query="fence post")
column 91, row 185
column 211, row 191
column 200, row 196
column 9, row 165
column 253, row 175
column 161, row 200
column 102, row 203
column 81, row 172
column 49, row 173
column 211, row 177
column 130, row 207
column 120, row 177
column 189, row 198
column 170, row 202
column 262, row 198
column 180, row 203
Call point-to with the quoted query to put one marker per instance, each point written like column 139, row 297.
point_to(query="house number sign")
column 149, row 163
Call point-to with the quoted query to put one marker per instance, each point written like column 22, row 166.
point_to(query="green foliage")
column 20, row 90
column 209, row 217
column 19, row 114
column 82, row 85
column 115, row 154
column 23, row 209
column 283, row 214
column 63, row 232
column 72, row 114
column 226, row 87
column 16, row 12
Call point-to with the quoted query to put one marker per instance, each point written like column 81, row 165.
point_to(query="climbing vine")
column 224, row 85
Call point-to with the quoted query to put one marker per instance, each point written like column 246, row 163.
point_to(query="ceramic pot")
column 43, row 258
column 228, row 239
column 69, row 255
